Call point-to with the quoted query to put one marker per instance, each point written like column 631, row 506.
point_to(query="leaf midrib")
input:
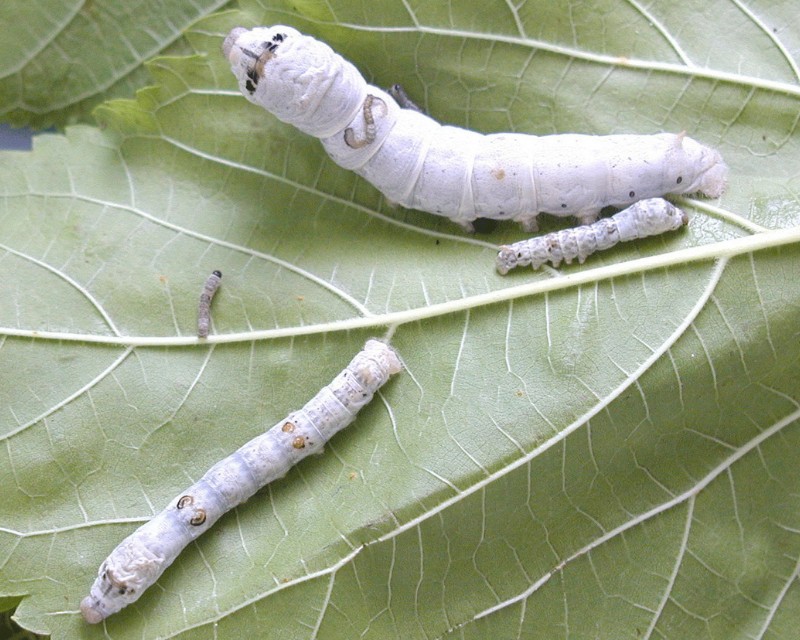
column 680, row 257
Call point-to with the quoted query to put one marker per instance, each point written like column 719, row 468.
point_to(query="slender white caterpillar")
column 644, row 218
column 143, row 556
column 204, row 309
column 462, row 175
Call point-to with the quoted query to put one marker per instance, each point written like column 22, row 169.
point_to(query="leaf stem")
column 714, row 251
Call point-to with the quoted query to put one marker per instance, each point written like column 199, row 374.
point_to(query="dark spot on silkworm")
column 265, row 57
column 252, row 80
column 631, row 194
column 288, row 427
column 299, row 442
column 198, row 518
column 680, row 179
column 563, row 205
column 184, row 501
column 279, row 37
column 115, row 582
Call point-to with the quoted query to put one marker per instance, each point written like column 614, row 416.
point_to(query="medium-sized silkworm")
column 143, row 556
column 644, row 218
column 204, row 309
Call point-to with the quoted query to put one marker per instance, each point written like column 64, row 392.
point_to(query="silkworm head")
column 297, row 78
column 122, row 578
column 90, row 611
column 705, row 164
column 385, row 354
column 250, row 51
column 108, row 595
column 506, row 260
column 230, row 40
column 666, row 217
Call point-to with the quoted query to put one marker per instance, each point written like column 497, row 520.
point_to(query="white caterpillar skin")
column 462, row 175
column 143, row 556
column 644, row 218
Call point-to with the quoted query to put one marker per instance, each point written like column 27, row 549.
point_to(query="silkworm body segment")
column 644, row 218
column 460, row 174
column 143, row 556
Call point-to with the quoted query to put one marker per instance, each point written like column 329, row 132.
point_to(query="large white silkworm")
column 204, row 308
column 644, row 218
column 462, row 175
column 143, row 556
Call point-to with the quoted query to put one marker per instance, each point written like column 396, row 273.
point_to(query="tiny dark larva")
column 142, row 557
column 401, row 97
column 204, row 308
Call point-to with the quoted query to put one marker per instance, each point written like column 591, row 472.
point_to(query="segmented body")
column 204, row 308
column 143, row 556
column 644, row 218
column 418, row 163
